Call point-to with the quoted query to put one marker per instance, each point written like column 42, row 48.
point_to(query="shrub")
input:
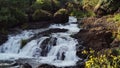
column 109, row 58
column 48, row 5
column 11, row 17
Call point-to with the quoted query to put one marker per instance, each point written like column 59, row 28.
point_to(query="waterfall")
column 57, row 49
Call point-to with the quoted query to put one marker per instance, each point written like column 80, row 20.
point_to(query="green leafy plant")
column 23, row 43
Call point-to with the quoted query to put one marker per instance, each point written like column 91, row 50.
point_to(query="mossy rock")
column 106, row 7
column 61, row 16
column 48, row 5
column 41, row 15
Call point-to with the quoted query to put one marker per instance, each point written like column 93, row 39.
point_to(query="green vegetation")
column 40, row 15
column 117, row 18
column 23, row 43
column 109, row 58
column 61, row 11
column 89, row 4
column 18, row 13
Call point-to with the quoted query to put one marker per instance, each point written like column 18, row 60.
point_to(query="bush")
column 12, row 13
column 109, row 58
column 48, row 5
column 11, row 17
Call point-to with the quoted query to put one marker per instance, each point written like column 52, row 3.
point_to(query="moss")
column 61, row 11
column 61, row 16
column 117, row 18
column 23, row 43
column 107, row 6
column 40, row 15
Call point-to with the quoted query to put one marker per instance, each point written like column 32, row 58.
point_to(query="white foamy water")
column 61, row 54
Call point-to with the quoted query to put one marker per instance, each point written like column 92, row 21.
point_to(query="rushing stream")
column 57, row 49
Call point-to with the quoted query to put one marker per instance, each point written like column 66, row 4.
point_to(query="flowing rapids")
column 57, row 49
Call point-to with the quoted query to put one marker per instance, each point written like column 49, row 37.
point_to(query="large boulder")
column 106, row 7
column 96, row 38
column 61, row 16
column 41, row 15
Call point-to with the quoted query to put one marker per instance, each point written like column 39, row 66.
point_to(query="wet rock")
column 38, row 25
column 56, row 30
column 61, row 16
column 96, row 39
column 47, row 66
column 7, row 63
column 41, row 15
column 48, row 32
column 26, row 65
column 3, row 38
column 44, row 46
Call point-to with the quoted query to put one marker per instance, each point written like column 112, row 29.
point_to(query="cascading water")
column 57, row 49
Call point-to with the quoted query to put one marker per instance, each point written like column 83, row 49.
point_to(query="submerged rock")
column 26, row 65
column 47, row 66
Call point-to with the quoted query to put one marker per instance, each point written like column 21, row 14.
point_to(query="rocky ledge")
column 98, row 33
